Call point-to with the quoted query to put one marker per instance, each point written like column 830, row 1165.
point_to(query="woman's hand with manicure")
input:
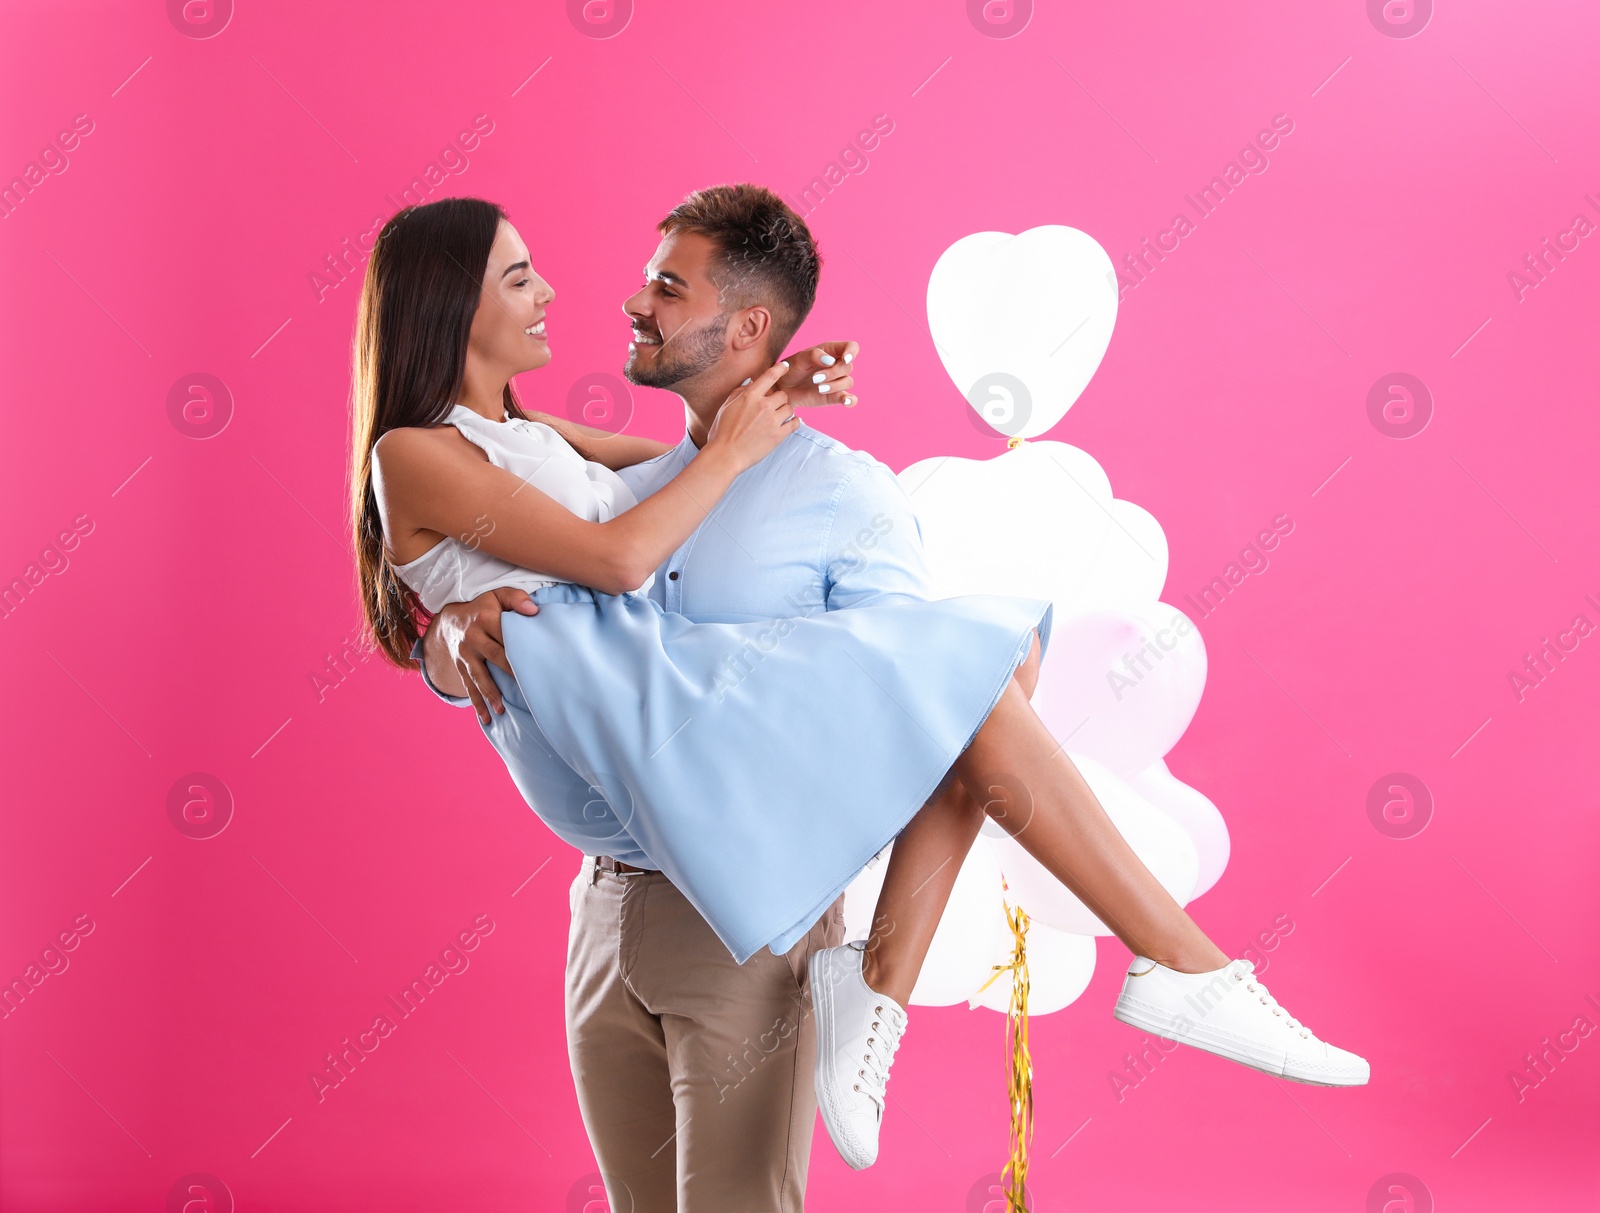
column 754, row 418
column 821, row 375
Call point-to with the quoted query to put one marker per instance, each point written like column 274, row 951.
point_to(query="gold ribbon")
column 1013, row 443
column 1019, row 1061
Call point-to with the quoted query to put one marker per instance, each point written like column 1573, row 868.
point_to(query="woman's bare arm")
column 440, row 482
column 832, row 360
column 615, row 451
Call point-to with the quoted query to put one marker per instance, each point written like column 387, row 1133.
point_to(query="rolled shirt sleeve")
column 874, row 552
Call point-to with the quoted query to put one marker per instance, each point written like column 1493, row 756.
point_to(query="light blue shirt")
column 814, row 526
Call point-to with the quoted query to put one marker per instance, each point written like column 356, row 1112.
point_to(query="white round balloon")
column 1038, row 521
column 1163, row 846
column 1131, row 567
column 1192, row 810
column 973, row 920
column 1028, row 522
column 972, row 926
column 1060, row 965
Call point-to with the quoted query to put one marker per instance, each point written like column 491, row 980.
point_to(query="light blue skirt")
column 760, row 765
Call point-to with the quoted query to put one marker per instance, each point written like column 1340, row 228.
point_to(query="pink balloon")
column 1122, row 684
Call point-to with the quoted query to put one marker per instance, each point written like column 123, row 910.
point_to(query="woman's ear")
column 751, row 327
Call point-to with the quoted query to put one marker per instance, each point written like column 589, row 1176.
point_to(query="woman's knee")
column 1007, row 800
column 952, row 798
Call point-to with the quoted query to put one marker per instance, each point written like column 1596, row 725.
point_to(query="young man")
column 694, row 1074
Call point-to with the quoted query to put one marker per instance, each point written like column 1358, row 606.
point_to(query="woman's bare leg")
column 1017, row 773
column 922, row 871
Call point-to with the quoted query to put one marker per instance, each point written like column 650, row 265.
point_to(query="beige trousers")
column 694, row 1073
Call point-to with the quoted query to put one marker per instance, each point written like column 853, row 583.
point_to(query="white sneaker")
column 1229, row 1012
column 858, row 1031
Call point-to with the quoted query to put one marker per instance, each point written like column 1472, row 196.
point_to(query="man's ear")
column 750, row 328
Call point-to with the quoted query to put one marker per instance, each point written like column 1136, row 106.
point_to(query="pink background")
column 186, row 630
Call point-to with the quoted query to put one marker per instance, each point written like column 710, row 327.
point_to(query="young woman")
column 762, row 805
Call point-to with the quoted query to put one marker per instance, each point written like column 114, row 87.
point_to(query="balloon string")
column 1019, row 1062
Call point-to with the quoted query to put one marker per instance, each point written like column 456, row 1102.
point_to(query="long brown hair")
column 421, row 290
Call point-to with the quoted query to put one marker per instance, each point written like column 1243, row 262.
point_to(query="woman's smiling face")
column 508, row 329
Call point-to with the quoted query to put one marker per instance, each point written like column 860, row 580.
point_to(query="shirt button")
column 672, row 576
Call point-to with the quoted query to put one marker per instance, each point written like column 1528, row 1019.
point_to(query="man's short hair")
column 765, row 253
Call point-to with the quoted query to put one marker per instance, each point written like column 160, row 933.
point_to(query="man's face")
column 679, row 328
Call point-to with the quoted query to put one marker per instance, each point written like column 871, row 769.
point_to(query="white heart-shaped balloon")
column 970, row 928
column 1021, row 322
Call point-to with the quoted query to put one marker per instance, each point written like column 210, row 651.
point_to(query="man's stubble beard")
column 691, row 354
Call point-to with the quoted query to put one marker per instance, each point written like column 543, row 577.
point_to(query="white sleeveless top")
column 450, row 571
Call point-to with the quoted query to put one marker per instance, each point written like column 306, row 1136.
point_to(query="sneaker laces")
column 882, row 1043
column 1253, row 985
